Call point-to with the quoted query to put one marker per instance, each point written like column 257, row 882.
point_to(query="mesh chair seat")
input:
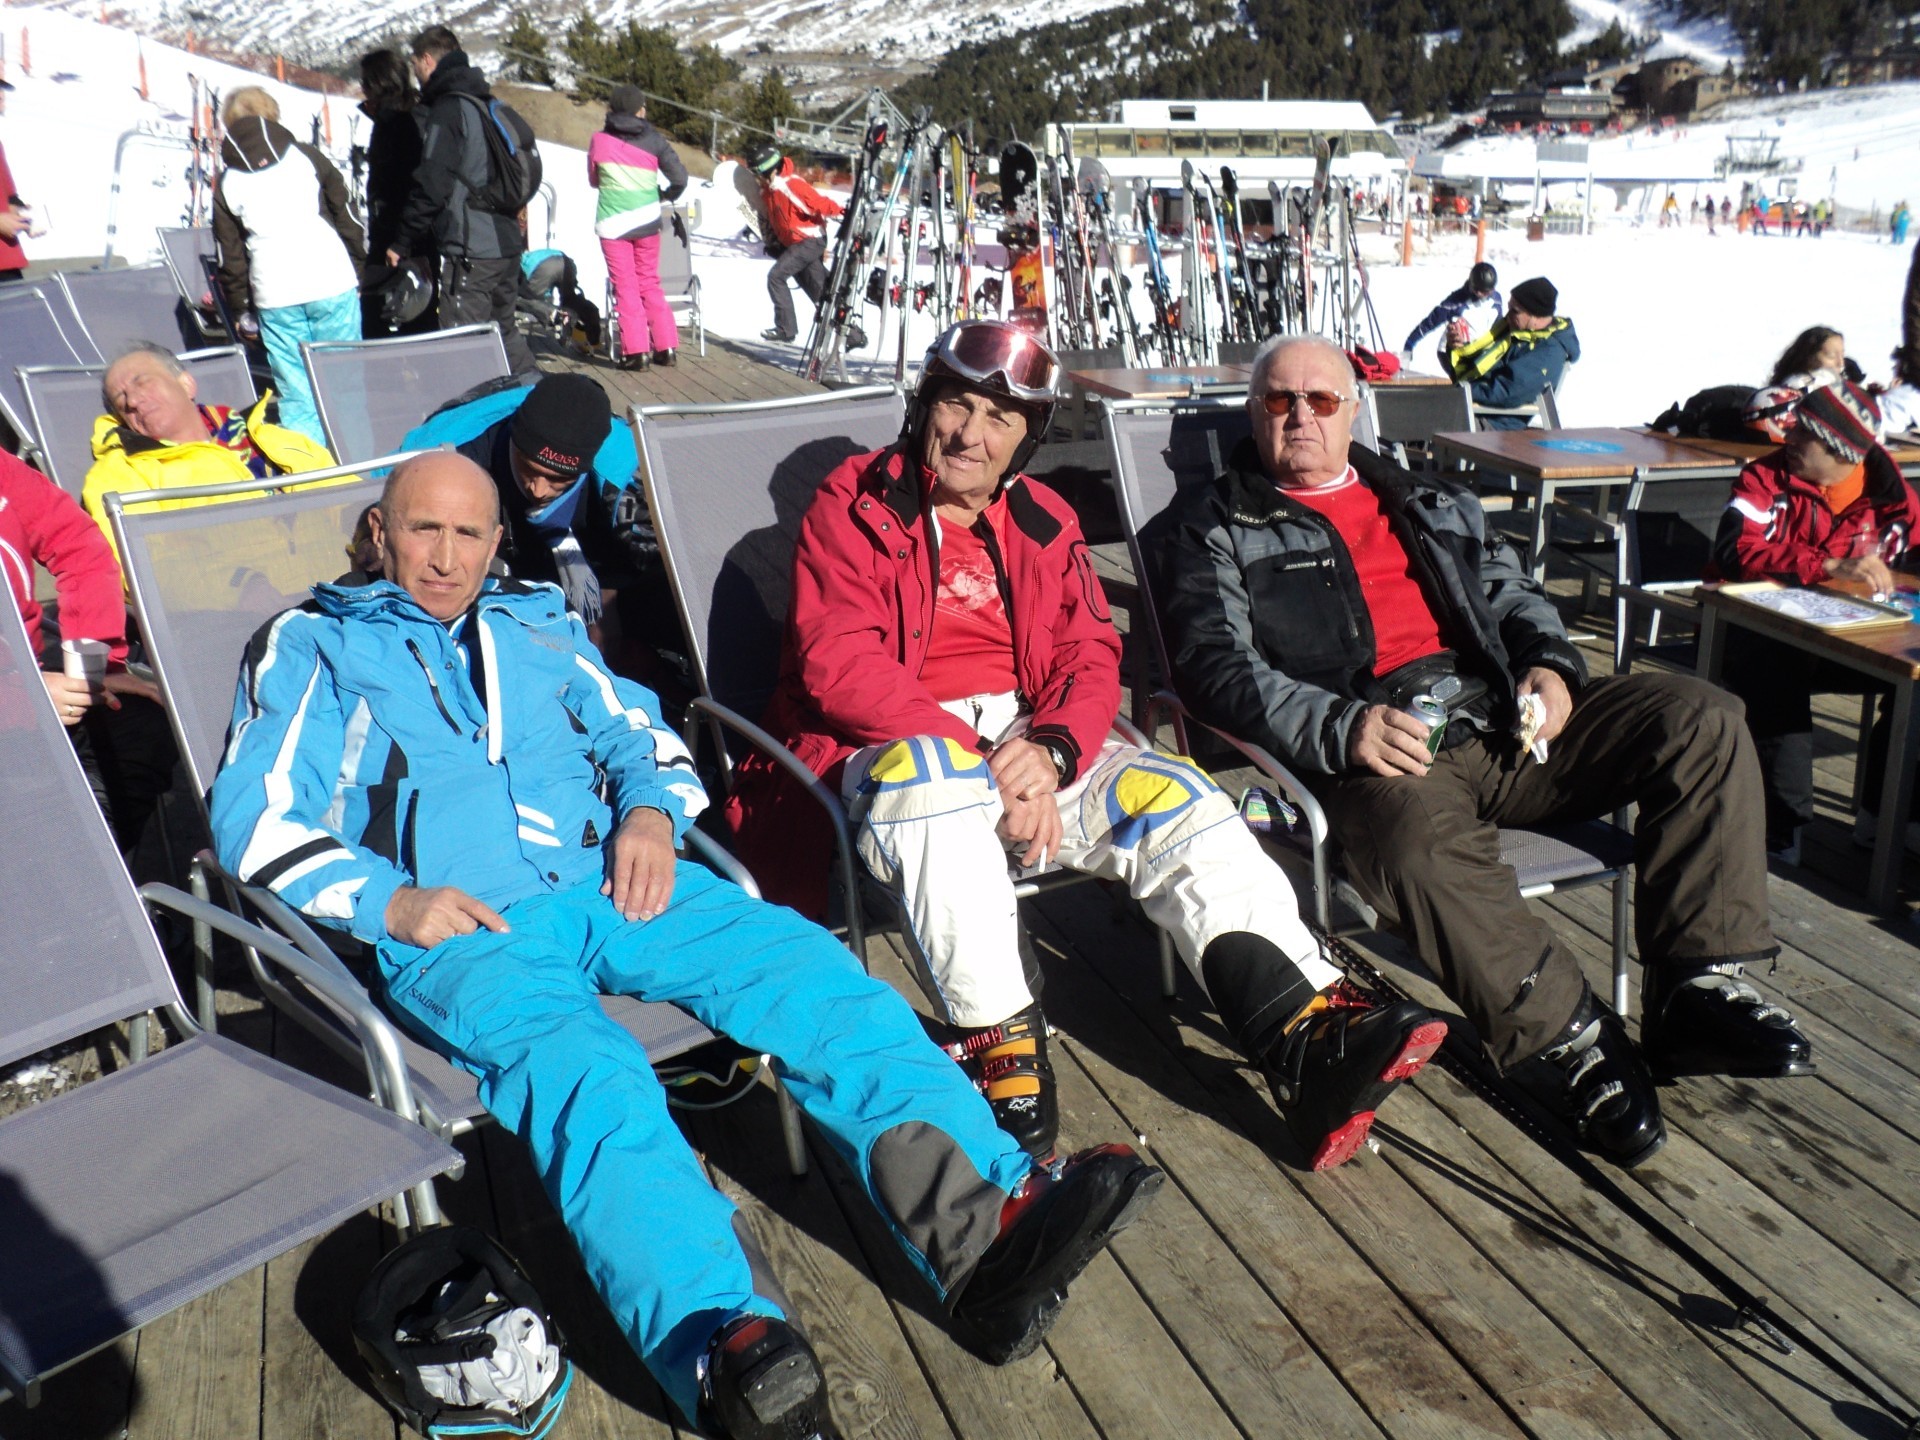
column 30, row 334
column 124, row 1199
column 139, row 302
column 1555, row 856
column 370, row 393
column 63, row 402
column 133, row 1194
column 1145, row 437
column 204, row 580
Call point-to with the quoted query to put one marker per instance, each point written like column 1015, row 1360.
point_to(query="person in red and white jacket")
column 1830, row 504
column 119, row 729
column 950, row 668
column 797, row 216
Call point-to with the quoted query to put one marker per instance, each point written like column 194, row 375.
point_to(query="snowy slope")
column 1855, row 146
column 1660, row 313
column 1711, row 42
column 879, row 28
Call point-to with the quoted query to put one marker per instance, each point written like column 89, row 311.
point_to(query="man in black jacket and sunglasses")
column 1313, row 590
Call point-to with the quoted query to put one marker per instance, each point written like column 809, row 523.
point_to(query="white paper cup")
column 84, row 660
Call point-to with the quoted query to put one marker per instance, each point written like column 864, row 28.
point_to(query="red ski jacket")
column 795, row 210
column 41, row 524
column 1776, row 526
column 864, row 576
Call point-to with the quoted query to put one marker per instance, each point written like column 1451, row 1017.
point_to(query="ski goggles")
column 981, row 350
column 1321, row 402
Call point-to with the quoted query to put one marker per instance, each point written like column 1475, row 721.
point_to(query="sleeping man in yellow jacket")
column 157, row 436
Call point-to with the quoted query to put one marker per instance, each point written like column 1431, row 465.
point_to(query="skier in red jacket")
column 951, row 670
column 797, row 216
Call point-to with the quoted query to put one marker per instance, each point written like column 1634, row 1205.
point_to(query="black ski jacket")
column 1268, row 630
column 439, row 216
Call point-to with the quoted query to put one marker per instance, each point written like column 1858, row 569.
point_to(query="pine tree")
column 526, row 45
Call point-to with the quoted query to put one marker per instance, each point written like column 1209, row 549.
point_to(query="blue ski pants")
column 520, row 1010
column 282, row 328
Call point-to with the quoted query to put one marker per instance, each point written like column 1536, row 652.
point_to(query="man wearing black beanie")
column 1525, row 351
column 572, row 511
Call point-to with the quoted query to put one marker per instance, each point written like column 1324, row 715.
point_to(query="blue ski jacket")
column 1458, row 303
column 373, row 747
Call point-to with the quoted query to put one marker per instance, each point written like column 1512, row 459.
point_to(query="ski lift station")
column 1147, row 141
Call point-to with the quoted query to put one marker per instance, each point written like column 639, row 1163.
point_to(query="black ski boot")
column 776, row 336
column 1593, row 1079
column 666, row 359
column 1050, row 1228
column 856, row 338
column 1337, row 1063
column 763, row 1382
column 1707, row 1020
column 640, row 360
column 1008, row 1064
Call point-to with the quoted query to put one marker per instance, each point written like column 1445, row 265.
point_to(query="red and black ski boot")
column 1050, row 1229
column 1337, row 1063
column 1008, row 1064
column 763, row 1382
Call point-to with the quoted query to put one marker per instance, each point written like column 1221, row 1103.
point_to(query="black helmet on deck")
column 1482, row 278
column 456, row 1340
column 1001, row 359
column 765, row 160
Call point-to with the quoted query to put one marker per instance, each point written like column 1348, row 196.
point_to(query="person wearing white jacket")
column 291, row 250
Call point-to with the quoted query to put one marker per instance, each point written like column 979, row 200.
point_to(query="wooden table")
column 1158, row 382
column 1538, row 463
column 1888, row 653
column 1905, row 454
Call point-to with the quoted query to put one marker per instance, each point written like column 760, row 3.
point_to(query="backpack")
column 514, row 171
column 1716, row 413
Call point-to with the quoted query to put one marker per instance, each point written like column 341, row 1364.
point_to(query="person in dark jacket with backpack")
column 390, row 99
column 479, row 249
column 1312, row 591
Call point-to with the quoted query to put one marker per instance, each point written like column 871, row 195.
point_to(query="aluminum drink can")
column 1432, row 714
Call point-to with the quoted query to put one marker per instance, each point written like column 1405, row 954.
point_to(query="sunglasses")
column 1321, row 402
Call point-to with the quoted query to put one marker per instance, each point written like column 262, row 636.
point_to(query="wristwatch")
column 1056, row 752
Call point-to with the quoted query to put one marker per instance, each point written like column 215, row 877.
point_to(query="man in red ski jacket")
column 797, row 216
column 1829, row 504
column 951, row 670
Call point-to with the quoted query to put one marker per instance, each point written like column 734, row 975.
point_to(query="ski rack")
column 1466, row 1063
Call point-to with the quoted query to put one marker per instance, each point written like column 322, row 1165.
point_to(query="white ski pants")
column 925, row 811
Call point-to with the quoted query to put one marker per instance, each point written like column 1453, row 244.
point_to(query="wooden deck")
column 1456, row 1281
column 726, row 374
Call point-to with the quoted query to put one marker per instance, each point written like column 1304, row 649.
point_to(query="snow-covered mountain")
column 863, row 31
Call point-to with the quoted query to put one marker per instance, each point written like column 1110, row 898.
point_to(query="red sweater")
column 857, row 639
column 1403, row 625
column 41, row 524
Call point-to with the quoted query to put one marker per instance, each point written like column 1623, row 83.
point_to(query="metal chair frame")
column 356, row 1028
column 1328, row 884
column 850, row 874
